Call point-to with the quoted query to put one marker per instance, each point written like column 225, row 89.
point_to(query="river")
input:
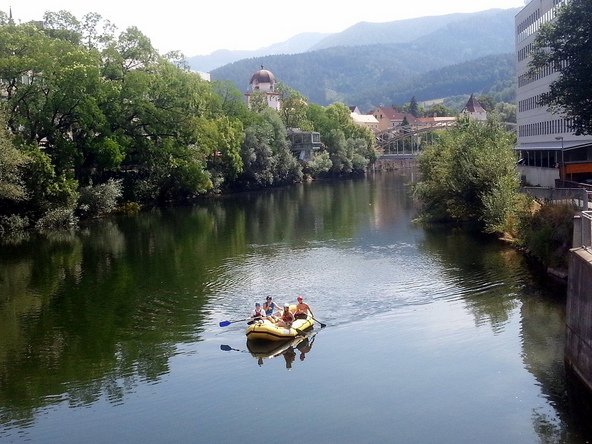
column 111, row 334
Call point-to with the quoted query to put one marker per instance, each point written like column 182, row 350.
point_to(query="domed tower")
column 264, row 81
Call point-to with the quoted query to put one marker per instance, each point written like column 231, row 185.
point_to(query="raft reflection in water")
column 288, row 349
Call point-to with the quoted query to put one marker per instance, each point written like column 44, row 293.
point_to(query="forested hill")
column 364, row 74
column 491, row 75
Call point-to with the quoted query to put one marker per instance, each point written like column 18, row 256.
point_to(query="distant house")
column 474, row 110
column 264, row 81
column 436, row 121
column 367, row 120
column 389, row 118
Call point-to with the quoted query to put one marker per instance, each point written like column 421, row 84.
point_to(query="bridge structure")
column 407, row 141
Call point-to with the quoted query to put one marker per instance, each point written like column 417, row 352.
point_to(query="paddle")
column 225, row 323
column 321, row 324
column 226, row 348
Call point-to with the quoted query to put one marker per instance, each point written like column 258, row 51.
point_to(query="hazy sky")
column 201, row 27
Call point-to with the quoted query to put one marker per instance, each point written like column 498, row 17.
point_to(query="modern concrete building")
column 548, row 149
column 304, row 144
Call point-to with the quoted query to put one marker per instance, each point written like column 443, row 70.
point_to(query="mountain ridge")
column 359, row 34
column 366, row 74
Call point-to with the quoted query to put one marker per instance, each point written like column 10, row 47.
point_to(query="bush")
column 100, row 199
column 56, row 219
column 547, row 233
column 13, row 224
column 469, row 177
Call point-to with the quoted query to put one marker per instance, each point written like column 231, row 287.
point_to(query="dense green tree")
column 293, row 108
column 439, row 110
column 62, row 25
column 11, row 174
column 258, row 102
column 469, row 176
column 231, row 100
column 565, row 44
column 487, row 102
column 506, row 111
column 414, row 107
column 266, row 153
column 340, row 135
column 99, row 116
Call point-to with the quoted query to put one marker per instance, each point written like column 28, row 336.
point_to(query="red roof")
column 392, row 114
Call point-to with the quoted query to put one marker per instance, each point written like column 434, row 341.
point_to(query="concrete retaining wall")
column 578, row 351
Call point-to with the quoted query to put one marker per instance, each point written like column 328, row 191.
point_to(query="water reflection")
column 102, row 310
column 98, row 314
column 301, row 345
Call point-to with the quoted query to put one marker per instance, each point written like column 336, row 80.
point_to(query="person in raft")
column 286, row 318
column 302, row 309
column 258, row 314
column 269, row 306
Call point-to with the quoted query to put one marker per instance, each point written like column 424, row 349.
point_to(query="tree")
column 11, row 162
column 258, row 102
column 487, row 102
column 565, row 45
column 469, row 176
column 439, row 110
column 293, row 108
column 414, row 107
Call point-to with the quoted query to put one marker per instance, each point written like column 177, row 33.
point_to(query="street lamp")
column 562, row 170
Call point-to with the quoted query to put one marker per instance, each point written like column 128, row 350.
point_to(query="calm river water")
column 111, row 335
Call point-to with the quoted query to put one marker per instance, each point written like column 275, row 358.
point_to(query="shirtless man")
column 302, row 309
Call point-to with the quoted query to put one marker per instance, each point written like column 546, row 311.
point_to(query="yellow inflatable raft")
column 266, row 330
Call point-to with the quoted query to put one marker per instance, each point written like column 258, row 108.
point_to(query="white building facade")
column 548, row 149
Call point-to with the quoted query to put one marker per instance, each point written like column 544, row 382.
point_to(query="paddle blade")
column 224, row 323
column 225, row 348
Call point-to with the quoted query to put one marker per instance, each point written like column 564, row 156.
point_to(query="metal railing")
column 582, row 234
column 573, row 196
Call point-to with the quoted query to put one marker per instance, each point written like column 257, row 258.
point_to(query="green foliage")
column 46, row 188
column 100, row 199
column 57, row 219
column 88, row 107
column 439, row 110
column 13, row 224
column 320, row 164
column 547, row 233
column 11, row 163
column 350, row 146
column 469, row 176
column 258, row 101
column 293, row 108
column 266, row 155
column 566, row 45
column 414, row 107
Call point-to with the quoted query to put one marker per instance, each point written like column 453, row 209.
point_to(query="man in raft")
column 302, row 309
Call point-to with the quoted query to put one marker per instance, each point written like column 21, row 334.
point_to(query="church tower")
column 264, row 81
